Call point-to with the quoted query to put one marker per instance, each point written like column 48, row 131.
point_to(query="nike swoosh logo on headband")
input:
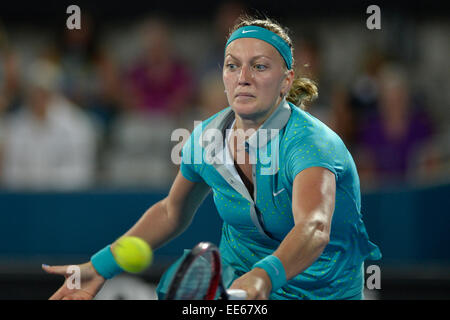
column 247, row 31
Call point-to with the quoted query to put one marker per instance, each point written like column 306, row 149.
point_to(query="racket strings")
column 196, row 282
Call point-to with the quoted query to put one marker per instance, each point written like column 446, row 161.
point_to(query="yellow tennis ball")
column 132, row 254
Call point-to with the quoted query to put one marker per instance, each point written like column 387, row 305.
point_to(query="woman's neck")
column 245, row 124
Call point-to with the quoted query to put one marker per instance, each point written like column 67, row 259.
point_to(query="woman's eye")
column 231, row 66
column 260, row 67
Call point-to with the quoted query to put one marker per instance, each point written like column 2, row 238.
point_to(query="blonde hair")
column 303, row 89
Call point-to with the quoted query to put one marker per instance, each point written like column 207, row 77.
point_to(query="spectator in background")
column 364, row 93
column 342, row 118
column 212, row 96
column 10, row 89
column 395, row 134
column 309, row 65
column 159, row 82
column 333, row 105
column 76, row 49
column 90, row 77
column 48, row 143
column 225, row 16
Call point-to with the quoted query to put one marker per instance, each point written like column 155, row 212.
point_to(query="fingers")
column 58, row 295
column 253, row 294
column 61, row 270
column 70, row 292
column 64, row 293
column 237, row 294
column 255, row 286
column 73, row 296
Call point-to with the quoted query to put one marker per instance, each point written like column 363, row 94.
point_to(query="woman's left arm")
column 313, row 198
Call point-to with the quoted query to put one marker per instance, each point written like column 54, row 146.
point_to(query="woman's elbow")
column 322, row 234
column 324, row 238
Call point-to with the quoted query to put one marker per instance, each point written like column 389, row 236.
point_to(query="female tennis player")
column 288, row 194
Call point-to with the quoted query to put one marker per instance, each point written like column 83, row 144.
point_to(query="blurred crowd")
column 96, row 107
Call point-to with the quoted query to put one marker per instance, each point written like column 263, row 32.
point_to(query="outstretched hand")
column 87, row 286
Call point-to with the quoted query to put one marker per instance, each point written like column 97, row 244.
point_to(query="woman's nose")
column 245, row 75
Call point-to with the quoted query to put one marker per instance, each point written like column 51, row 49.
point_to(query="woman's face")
column 255, row 76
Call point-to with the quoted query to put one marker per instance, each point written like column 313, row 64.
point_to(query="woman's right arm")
column 162, row 222
column 171, row 216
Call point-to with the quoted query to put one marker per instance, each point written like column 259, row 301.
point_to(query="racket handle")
column 237, row 294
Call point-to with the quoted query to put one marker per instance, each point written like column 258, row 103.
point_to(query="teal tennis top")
column 289, row 141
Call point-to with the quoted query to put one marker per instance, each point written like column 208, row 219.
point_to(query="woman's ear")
column 287, row 82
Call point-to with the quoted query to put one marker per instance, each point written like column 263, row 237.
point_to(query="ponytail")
column 302, row 90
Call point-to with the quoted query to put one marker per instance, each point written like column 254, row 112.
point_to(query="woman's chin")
column 245, row 110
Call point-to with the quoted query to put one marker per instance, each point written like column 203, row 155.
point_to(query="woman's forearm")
column 157, row 225
column 302, row 246
column 169, row 217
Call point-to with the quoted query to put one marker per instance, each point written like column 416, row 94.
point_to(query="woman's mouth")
column 244, row 95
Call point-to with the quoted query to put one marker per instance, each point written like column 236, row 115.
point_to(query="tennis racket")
column 199, row 277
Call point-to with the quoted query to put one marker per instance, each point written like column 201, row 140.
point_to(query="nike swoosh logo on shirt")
column 277, row 193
